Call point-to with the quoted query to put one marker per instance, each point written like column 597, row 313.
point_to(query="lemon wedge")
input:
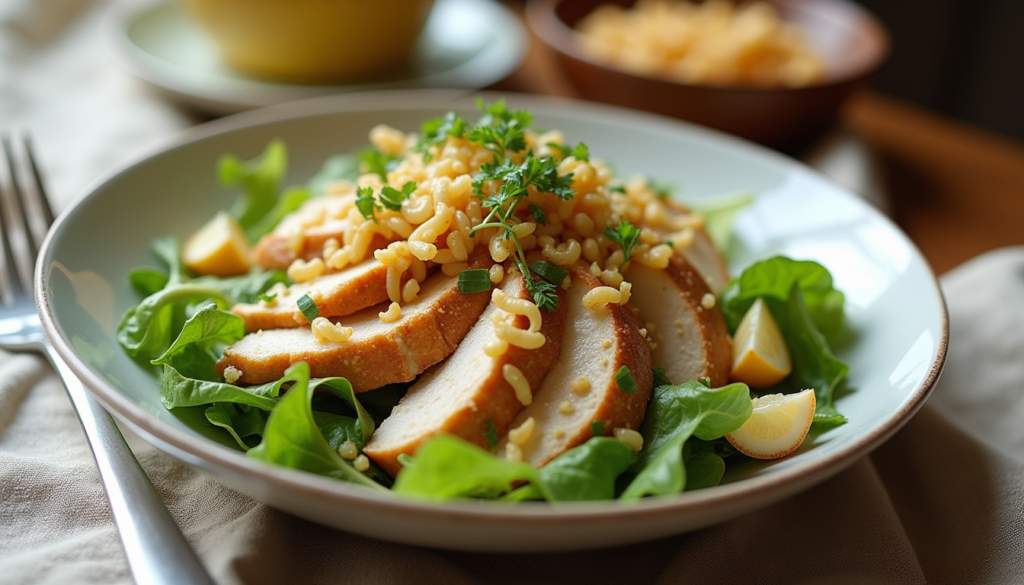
column 777, row 426
column 219, row 248
column 760, row 356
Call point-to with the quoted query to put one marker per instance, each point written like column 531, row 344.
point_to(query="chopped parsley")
column 626, row 236
column 625, row 381
column 308, row 308
column 366, row 203
column 501, row 131
column 436, row 131
column 578, row 152
column 596, row 429
column 538, row 214
column 378, row 162
column 491, row 435
column 392, row 198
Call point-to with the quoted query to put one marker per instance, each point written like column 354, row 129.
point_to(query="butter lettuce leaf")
column 674, row 414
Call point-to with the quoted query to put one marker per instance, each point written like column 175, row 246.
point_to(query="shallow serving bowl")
column 852, row 42
column 894, row 307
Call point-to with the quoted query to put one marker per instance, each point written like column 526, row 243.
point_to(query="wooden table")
column 956, row 190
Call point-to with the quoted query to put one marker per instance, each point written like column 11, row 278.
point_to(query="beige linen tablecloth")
column 942, row 502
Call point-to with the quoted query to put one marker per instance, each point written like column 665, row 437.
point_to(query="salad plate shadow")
column 893, row 304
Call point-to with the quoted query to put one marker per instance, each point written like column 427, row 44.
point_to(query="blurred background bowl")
column 313, row 41
column 851, row 41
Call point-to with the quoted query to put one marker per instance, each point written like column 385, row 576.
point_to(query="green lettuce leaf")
column 704, row 465
column 200, row 344
column 340, row 167
column 292, row 438
column 290, row 200
column 808, row 310
column 447, row 467
column 146, row 330
column 773, row 279
column 177, row 391
column 147, row 281
column 587, row 472
column 246, row 288
column 674, row 414
column 719, row 213
column 239, row 421
column 259, row 178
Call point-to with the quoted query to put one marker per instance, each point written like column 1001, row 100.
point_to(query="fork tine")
column 15, row 236
column 35, row 205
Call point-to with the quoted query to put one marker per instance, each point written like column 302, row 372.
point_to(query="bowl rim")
column 544, row 22
column 205, row 454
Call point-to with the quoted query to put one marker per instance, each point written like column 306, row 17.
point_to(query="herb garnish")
column 578, row 152
column 549, row 272
column 266, row 298
column 596, row 428
column 539, row 216
column 491, row 435
column 392, row 198
column 367, row 204
column 474, row 280
column 626, row 236
column 625, row 381
column 308, row 308
column 378, row 162
column 436, row 131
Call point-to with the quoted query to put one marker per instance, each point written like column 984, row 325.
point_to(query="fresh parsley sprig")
column 367, row 204
column 378, row 162
column 392, row 198
column 436, row 131
column 579, row 152
column 626, row 236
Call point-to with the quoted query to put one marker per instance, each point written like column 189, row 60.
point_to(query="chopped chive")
column 308, row 308
column 625, row 381
column 597, row 429
column 705, row 381
column 474, row 280
column 549, row 271
column 492, row 435
column 266, row 297
column 616, row 188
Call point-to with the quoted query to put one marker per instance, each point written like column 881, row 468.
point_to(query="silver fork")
column 156, row 550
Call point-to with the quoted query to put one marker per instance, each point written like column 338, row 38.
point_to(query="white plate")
column 466, row 44
column 894, row 308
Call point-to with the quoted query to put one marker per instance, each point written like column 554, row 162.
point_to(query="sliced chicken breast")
column 581, row 388
column 315, row 222
column 704, row 257
column 377, row 353
column 336, row 295
column 468, row 394
column 690, row 337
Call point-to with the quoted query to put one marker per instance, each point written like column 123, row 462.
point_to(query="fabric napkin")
column 941, row 502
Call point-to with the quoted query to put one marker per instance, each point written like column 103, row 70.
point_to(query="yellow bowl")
column 313, row 41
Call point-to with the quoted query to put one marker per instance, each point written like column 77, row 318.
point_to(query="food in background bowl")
column 714, row 43
column 313, row 41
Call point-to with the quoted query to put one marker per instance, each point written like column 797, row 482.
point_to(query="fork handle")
column 156, row 549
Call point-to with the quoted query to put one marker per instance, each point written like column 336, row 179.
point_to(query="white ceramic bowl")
column 894, row 308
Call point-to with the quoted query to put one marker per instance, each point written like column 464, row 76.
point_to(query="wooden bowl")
column 852, row 42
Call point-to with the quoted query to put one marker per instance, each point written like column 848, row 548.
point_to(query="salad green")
column 181, row 327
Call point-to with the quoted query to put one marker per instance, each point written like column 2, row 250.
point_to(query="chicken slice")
column 377, row 353
column 691, row 339
column 595, row 345
column 468, row 394
column 705, row 259
column 302, row 233
column 336, row 295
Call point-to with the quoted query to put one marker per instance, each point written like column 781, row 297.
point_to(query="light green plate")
column 894, row 307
